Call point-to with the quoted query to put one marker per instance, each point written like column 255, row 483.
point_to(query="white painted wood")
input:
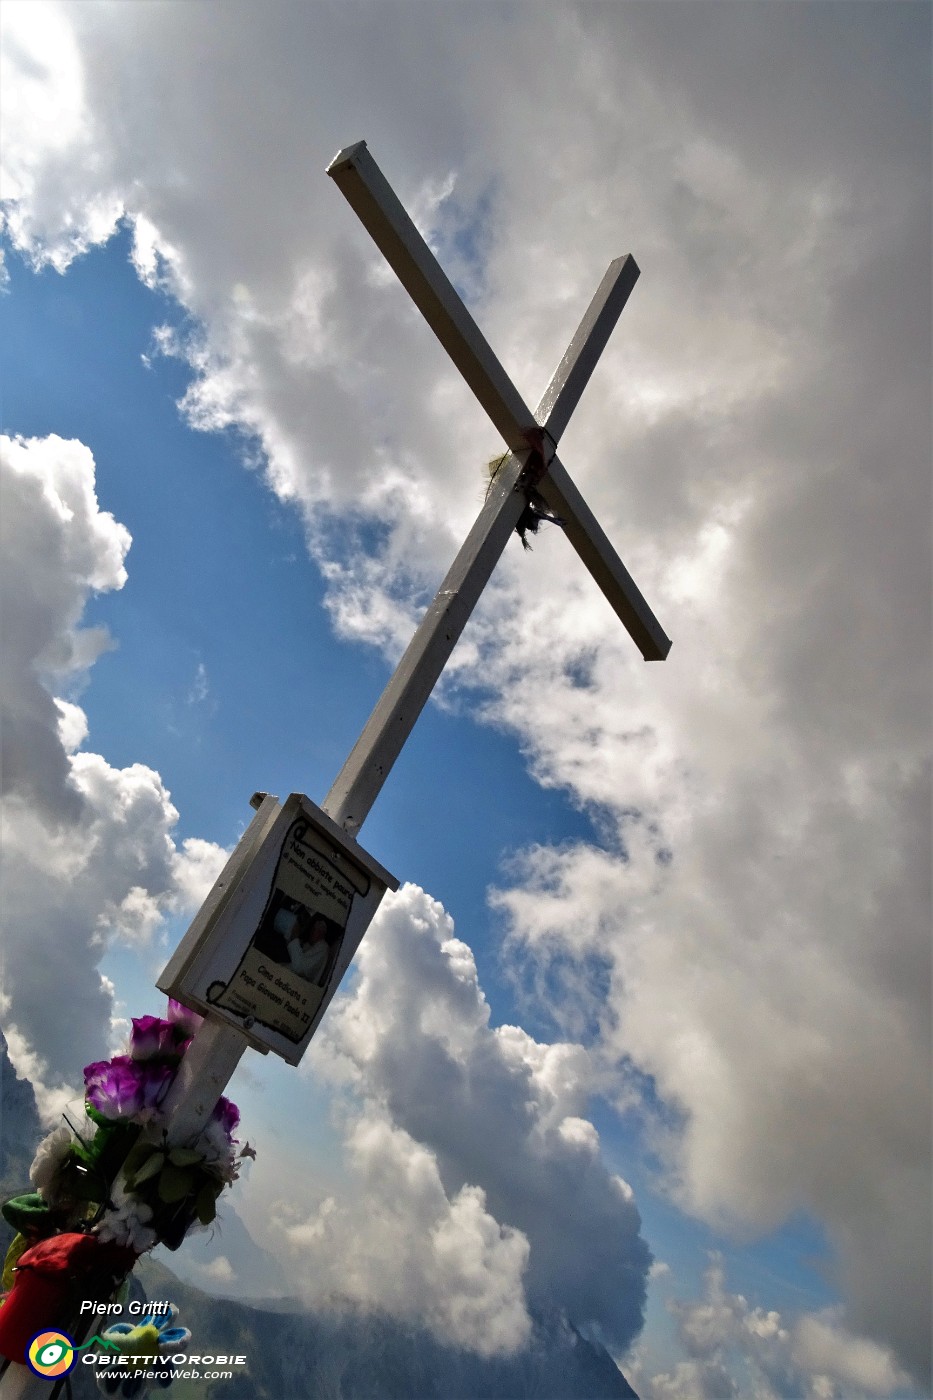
column 221, row 893
column 360, row 780
column 205, row 1070
column 307, row 856
column 19, row 1383
column 369, row 193
column 586, row 535
column 573, row 373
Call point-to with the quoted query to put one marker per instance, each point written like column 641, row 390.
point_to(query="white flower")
column 128, row 1222
column 50, row 1154
column 218, row 1151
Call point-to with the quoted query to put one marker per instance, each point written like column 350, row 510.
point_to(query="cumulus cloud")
column 50, row 512
column 756, row 439
column 761, row 907
column 218, row 1272
column 765, row 939
column 88, row 853
column 735, row 1349
column 826, row 1348
column 45, row 97
column 401, row 1245
column 479, row 1190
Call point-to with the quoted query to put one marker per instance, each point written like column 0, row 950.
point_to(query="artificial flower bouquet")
column 104, row 1197
column 168, row 1188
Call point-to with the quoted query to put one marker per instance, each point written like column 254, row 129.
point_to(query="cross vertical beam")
column 369, row 193
column 360, row 780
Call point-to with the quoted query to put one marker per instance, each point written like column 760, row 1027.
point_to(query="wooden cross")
column 532, row 466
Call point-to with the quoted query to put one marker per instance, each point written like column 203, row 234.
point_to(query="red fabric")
column 35, row 1301
column 77, row 1254
column 50, row 1280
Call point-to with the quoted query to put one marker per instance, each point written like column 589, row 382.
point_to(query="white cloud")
column 736, row 1349
column 46, row 116
column 72, row 725
column 476, row 1181
column 195, row 866
column 756, row 439
column 50, row 513
column 401, row 1244
column 217, row 1271
column 826, row 1348
column 200, row 688
column 740, row 911
column 87, row 852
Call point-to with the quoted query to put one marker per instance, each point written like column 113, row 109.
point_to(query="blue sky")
column 203, row 527
column 295, row 473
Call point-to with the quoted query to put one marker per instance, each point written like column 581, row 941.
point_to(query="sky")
column 644, row 1037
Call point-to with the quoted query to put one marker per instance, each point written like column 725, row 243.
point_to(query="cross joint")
column 542, row 450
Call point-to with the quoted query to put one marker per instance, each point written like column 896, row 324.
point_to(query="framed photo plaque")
column 270, row 944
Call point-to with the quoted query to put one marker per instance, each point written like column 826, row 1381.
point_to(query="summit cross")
column 530, row 472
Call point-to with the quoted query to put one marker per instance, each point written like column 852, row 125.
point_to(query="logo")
column 51, row 1354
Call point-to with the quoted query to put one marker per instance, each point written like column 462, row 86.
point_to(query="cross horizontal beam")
column 592, row 336
column 586, row 535
column 371, row 196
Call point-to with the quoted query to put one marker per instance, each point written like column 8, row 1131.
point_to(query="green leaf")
column 206, row 1205
column 185, row 1156
column 151, row 1167
column 86, row 1186
column 174, row 1184
column 137, row 1156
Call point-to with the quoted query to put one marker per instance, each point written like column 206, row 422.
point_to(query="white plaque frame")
column 254, row 956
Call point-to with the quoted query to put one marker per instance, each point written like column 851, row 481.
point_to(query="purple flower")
column 154, row 1079
column 125, row 1090
column 112, row 1087
column 186, row 1021
column 152, row 1038
column 227, row 1115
